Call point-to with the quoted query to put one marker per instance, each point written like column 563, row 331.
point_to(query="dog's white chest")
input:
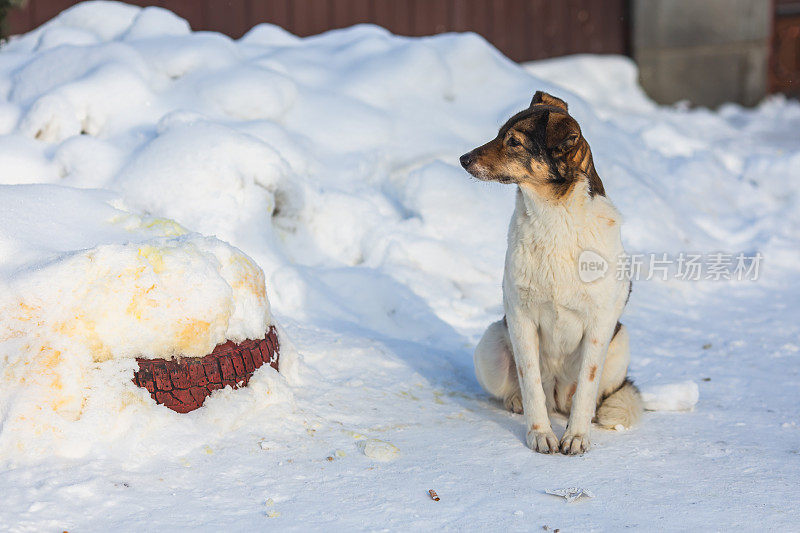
column 542, row 282
column 541, row 263
column 541, row 275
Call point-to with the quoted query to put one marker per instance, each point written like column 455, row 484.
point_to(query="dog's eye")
column 512, row 141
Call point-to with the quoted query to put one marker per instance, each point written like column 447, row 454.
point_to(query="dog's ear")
column 571, row 151
column 563, row 134
column 542, row 98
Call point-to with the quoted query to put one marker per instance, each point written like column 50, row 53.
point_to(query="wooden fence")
column 521, row 29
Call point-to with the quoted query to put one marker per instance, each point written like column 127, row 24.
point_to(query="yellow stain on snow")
column 194, row 337
column 141, row 302
column 83, row 329
column 17, row 318
column 437, row 397
column 131, row 272
column 165, row 226
column 26, row 311
column 154, row 256
column 162, row 226
column 251, row 277
column 46, row 369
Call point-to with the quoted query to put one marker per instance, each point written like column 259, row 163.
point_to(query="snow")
column 379, row 450
column 681, row 396
column 329, row 166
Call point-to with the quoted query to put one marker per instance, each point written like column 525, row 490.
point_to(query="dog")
column 560, row 346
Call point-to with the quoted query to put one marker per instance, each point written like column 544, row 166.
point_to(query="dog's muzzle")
column 467, row 159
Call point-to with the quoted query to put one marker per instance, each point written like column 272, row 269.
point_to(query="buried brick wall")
column 184, row 384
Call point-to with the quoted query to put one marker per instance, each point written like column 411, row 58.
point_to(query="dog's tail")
column 494, row 362
column 622, row 407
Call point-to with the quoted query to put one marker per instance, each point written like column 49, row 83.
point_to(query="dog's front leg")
column 593, row 353
column 525, row 341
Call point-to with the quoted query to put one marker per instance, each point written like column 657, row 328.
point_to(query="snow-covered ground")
column 132, row 150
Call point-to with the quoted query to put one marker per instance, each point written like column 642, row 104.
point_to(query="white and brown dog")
column 560, row 346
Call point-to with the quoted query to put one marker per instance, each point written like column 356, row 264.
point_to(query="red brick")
column 224, row 349
column 213, row 372
column 164, row 398
column 226, row 368
column 249, row 366
column 197, row 376
column 255, row 354
column 162, row 379
column 182, row 408
column 265, row 353
column 199, row 394
column 185, row 397
column 238, row 364
column 179, row 376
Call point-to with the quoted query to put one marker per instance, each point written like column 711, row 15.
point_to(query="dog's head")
column 541, row 149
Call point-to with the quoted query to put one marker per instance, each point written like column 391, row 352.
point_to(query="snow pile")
column 163, row 293
column 88, row 288
column 671, row 397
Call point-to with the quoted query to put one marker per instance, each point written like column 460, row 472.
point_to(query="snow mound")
column 75, row 317
column 681, row 396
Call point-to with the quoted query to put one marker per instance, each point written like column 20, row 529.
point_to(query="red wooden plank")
column 345, row 13
column 19, row 20
column 276, row 12
column 281, row 13
column 360, row 11
column 557, row 30
column 191, row 10
column 262, row 11
column 429, row 17
column 393, row 16
column 499, row 31
column 143, row 3
column 517, row 27
column 456, row 16
column 309, row 17
column 401, row 13
column 480, row 17
column 45, row 10
column 227, row 17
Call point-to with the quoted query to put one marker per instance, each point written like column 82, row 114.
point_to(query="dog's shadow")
column 405, row 326
column 450, row 372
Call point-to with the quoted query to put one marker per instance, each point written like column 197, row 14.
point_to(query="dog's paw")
column 574, row 444
column 514, row 403
column 542, row 441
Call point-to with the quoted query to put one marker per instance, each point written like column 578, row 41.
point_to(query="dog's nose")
column 467, row 159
